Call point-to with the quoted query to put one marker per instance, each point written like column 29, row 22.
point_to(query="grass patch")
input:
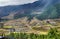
column 7, row 27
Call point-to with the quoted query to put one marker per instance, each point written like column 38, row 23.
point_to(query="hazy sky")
column 15, row 2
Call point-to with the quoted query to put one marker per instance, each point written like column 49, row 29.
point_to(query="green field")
column 53, row 34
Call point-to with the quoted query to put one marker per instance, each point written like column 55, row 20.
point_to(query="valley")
column 32, row 26
column 37, row 20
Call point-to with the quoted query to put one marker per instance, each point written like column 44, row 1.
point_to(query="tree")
column 53, row 33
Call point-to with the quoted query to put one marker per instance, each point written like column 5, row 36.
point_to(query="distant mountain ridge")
column 37, row 8
column 21, row 9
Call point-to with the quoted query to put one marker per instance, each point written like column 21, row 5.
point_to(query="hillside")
column 33, row 26
column 40, row 9
column 52, row 12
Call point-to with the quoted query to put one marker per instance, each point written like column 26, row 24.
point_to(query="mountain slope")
column 51, row 12
column 21, row 9
column 41, row 9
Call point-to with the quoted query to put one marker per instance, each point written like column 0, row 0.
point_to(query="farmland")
column 37, row 29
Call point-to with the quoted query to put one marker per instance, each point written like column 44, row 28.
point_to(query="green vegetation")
column 53, row 34
column 34, row 29
column 7, row 26
column 51, row 12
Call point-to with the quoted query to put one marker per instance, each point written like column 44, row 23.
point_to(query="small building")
column 52, row 22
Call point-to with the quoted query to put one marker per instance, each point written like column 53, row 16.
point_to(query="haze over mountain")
column 41, row 9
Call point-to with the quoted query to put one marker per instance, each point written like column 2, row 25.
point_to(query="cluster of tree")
column 53, row 34
column 51, row 12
